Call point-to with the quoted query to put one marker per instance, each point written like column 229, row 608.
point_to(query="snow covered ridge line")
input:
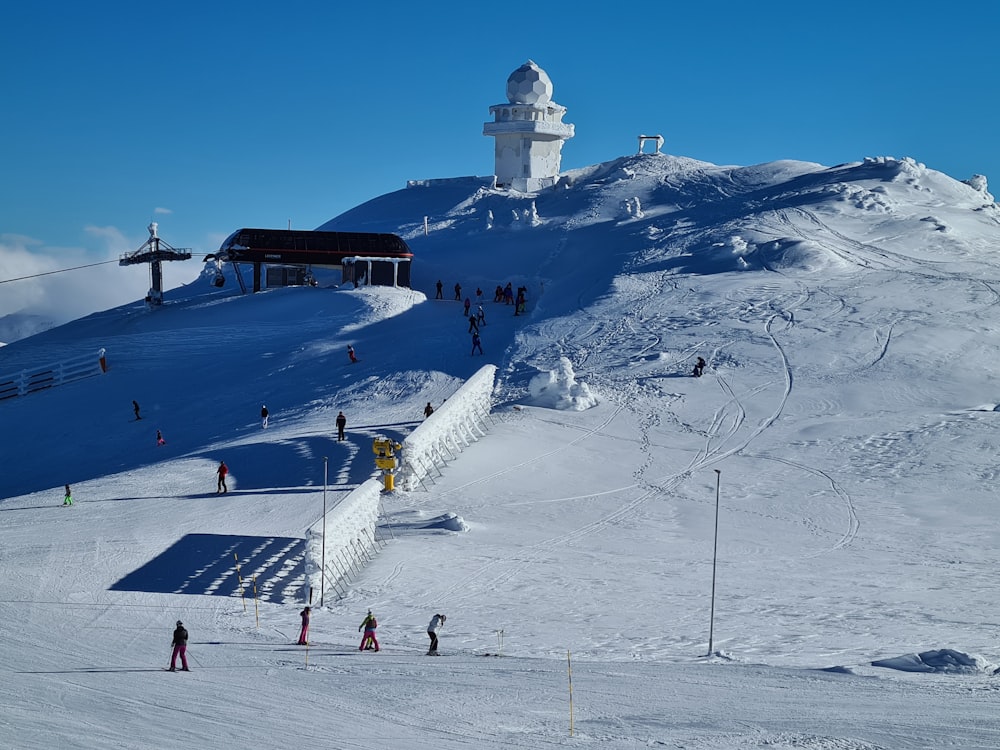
column 459, row 421
column 349, row 536
column 47, row 376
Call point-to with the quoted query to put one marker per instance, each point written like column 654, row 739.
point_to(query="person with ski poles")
column 180, row 644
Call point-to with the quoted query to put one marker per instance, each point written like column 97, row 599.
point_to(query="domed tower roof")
column 529, row 84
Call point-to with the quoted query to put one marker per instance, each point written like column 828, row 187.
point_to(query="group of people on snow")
column 368, row 626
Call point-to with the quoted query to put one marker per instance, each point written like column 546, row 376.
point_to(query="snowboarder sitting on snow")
column 436, row 622
column 699, row 367
column 368, row 641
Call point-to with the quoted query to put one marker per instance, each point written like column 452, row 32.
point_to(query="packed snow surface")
column 796, row 550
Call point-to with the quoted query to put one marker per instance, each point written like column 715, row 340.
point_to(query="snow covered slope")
column 843, row 429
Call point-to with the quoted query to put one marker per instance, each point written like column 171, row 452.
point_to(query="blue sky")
column 211, row 116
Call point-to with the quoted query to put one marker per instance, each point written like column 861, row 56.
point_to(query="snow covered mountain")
column 840, row 445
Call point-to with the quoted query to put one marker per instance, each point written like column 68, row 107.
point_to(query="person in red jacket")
column 222, row 471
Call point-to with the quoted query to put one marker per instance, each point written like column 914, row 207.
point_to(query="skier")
column 468, row 304
column 498, row 294
column 263, row 416
column 473, row 324
column 135, row 408
column 437, row 621
column 304, row 633
column 350, row 353
column 222, row 471
column 159, row 438
column 479, row 294
column 699, row 367
column 180, row 644
column 476, row 343
column 458, row 292
column 68, row 500
column 428, row 410
column 480, row 315
column 341, row 424
column 368, row 641
column 439, row 287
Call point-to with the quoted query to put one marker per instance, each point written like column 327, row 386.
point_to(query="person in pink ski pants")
column 180, row 644
column 369, row 641
column 304, row 633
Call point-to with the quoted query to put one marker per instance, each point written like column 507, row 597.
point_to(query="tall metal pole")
column 715, row 557
column 322, row 554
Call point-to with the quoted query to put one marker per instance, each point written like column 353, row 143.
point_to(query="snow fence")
column 458, row 422
column 48, row 376
column 349, row 532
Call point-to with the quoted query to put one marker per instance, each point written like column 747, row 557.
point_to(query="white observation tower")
column 529, row 132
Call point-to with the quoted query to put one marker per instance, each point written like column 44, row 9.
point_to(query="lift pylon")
column 154, row 252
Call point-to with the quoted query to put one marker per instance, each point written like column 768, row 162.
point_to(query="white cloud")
column 159, row 210
column 63, row 283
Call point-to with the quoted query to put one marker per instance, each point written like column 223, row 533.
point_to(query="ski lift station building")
column 289, row 254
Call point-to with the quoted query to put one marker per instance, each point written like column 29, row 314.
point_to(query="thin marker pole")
column 569, row 670
column 715, row 557
column 322, row 554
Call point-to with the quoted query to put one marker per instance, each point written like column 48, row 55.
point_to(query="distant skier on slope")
column 263, row 416
column 699, row 368
column 68, row 500
column 436, row 622
column 222, row 472
column 351, row 354
column 304, row 633
column 369, row 642
column 180, row 644
column 428, row 410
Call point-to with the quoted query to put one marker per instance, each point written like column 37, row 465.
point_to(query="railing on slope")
column 457, row 423
column 340, row 545
column 48, row 376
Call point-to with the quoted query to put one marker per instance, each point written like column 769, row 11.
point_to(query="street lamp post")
column 715, row 557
